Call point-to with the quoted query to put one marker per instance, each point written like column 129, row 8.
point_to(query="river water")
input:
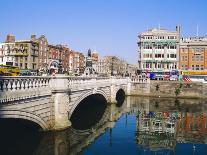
column 138, row 126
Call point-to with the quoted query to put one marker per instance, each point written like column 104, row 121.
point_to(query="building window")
column 186, row 58
column 201, row 58
column 202, row 67
column 197, row 57
column 193, row 67
column 193, row 58
column 197, row 67
column 25, row 65
column 172, row 55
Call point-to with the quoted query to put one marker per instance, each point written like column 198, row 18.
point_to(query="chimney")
column 10, row 38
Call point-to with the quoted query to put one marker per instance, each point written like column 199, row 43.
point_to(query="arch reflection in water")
column 89, row 111
column 73, row 141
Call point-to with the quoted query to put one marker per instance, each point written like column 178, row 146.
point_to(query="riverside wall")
column 170, row 89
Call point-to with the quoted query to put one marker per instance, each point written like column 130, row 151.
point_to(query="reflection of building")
column 165, row 129
column 193, row 54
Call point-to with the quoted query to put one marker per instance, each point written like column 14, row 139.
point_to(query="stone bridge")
column 50, row 101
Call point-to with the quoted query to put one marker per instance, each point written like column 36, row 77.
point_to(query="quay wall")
column 170, row 89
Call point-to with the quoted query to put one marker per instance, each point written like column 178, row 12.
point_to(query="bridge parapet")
column 140, row 79
column 20, row 87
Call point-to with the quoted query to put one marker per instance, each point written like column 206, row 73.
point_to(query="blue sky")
column 109, row 26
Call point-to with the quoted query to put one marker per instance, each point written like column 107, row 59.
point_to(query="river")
column 140, row 125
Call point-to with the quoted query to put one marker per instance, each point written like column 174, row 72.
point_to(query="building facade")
column 193, row 54
column 6, row 57
column 43, row 55
column 26, row 54
column 158, row 49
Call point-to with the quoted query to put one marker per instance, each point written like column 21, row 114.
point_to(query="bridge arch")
column 120, row 96
column 25, row 115
column 85, row 95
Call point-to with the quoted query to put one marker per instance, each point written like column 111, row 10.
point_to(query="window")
column 25, row 65
column 202, row 67
column 193, row 58
column 201, row 58
column 197, row 57
column 197, row 67
column 172, row 55
column 193, row 67
column 186, row 58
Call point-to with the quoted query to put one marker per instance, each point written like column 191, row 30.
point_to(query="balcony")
column 19, row 54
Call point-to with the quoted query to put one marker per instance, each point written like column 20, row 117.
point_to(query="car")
column 173, row 78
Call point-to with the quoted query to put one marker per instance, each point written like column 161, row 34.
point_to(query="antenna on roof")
column 197, row 31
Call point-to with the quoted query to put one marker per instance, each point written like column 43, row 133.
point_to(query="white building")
column 158, row 49
column 6, row 57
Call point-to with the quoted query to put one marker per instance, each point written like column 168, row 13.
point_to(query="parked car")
column 173, row 78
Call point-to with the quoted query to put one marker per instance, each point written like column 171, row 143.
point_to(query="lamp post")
column 60, row 67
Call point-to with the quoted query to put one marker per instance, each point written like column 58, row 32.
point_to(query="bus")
column 194, row 72
column 164, row 75
column 7, row 70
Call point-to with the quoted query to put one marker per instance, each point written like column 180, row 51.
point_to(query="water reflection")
column 164, row 124
column 139, row 126
column 73, row 141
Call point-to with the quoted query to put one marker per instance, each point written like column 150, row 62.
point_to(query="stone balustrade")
column 11, row 83
column 140, row 79
column 21, row 87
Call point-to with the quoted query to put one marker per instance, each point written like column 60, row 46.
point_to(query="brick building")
column 193, row 54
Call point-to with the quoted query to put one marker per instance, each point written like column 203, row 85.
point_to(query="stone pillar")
column 128, row 87
column 60, row 95
column 113, row 91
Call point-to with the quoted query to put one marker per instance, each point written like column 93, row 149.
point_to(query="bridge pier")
column 60, row 97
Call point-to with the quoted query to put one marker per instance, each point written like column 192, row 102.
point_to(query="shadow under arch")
column 120, row 97
column 24, row 115
column 19, row 136
column 88, row 111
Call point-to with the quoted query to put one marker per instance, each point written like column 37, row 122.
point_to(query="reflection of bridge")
column 73, row 141
column 50, row 101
